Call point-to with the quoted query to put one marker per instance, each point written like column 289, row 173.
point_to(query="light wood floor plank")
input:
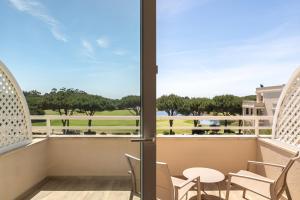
column 105, row 189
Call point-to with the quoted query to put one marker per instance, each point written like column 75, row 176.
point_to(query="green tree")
column 249, row 98
column 35, row 102
column 64, row 101
column 133, row 104
column 171, row 104
column 90, row 104
column 227, row 105
column 196, row 107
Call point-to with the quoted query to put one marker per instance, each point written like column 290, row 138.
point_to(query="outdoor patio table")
column 206, row 175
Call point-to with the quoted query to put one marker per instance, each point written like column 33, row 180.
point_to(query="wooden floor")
column 101, row 189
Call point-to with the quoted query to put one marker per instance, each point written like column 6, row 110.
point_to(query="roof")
column 278, row 88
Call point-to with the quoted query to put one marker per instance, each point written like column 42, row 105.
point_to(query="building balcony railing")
column 253, row 104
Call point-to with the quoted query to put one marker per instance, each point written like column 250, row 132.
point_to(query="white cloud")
column 237, row 80
column 120, row 52
column 58, row 34
column 88, row 49
column 103, row 42
column 37, row 10
column 235, row 69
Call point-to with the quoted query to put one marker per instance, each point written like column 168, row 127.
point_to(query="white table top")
column 207, row 175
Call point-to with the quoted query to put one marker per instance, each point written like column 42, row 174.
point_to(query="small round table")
column 206, row 175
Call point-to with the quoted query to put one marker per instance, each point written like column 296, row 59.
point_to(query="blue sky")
column 205, row 47
column 92, row 45
column 211, row 47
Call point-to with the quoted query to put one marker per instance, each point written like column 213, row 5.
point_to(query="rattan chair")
column 268, row 188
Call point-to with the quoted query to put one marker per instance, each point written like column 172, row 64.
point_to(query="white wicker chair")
column 286, row 129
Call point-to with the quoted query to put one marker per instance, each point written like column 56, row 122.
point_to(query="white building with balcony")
column 266, row 101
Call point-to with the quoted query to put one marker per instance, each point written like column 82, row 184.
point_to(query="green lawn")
column 114, row 122
column 160, row 123
column 165, row 123
column 94, row 122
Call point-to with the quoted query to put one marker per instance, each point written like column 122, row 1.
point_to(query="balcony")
column 80, row 166
column 253, row 104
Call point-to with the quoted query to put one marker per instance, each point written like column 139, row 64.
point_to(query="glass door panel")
column 88, row 88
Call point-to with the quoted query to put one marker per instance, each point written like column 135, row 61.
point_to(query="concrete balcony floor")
column 93, row 188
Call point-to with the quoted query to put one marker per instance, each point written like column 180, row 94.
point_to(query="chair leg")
column 244, row 193
column 131, row 195
column 288, row 194
column 220, row 196
column 176, row 194
column 228, row 187
column 198, row 189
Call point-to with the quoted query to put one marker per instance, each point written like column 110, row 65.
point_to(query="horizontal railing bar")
column 87, row 127
column 57, row 117
column 208, row 117
column 158, row 128
column 205, row 117
column 213, row 128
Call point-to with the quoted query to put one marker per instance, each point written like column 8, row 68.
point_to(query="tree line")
column 67, row 101
column 196, row 106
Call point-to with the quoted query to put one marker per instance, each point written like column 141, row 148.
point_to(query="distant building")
column 266, row 101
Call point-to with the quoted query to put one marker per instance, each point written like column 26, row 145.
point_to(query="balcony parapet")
column 253, row 104
column 82, row 155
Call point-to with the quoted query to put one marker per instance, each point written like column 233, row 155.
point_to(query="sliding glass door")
column 88, row 71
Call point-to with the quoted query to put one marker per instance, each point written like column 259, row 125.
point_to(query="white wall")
column 22, row 168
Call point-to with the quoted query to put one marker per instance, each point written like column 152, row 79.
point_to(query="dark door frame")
column 148, row 98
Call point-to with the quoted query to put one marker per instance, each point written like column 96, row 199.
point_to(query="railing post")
column 48, row 123
column 256, row 124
